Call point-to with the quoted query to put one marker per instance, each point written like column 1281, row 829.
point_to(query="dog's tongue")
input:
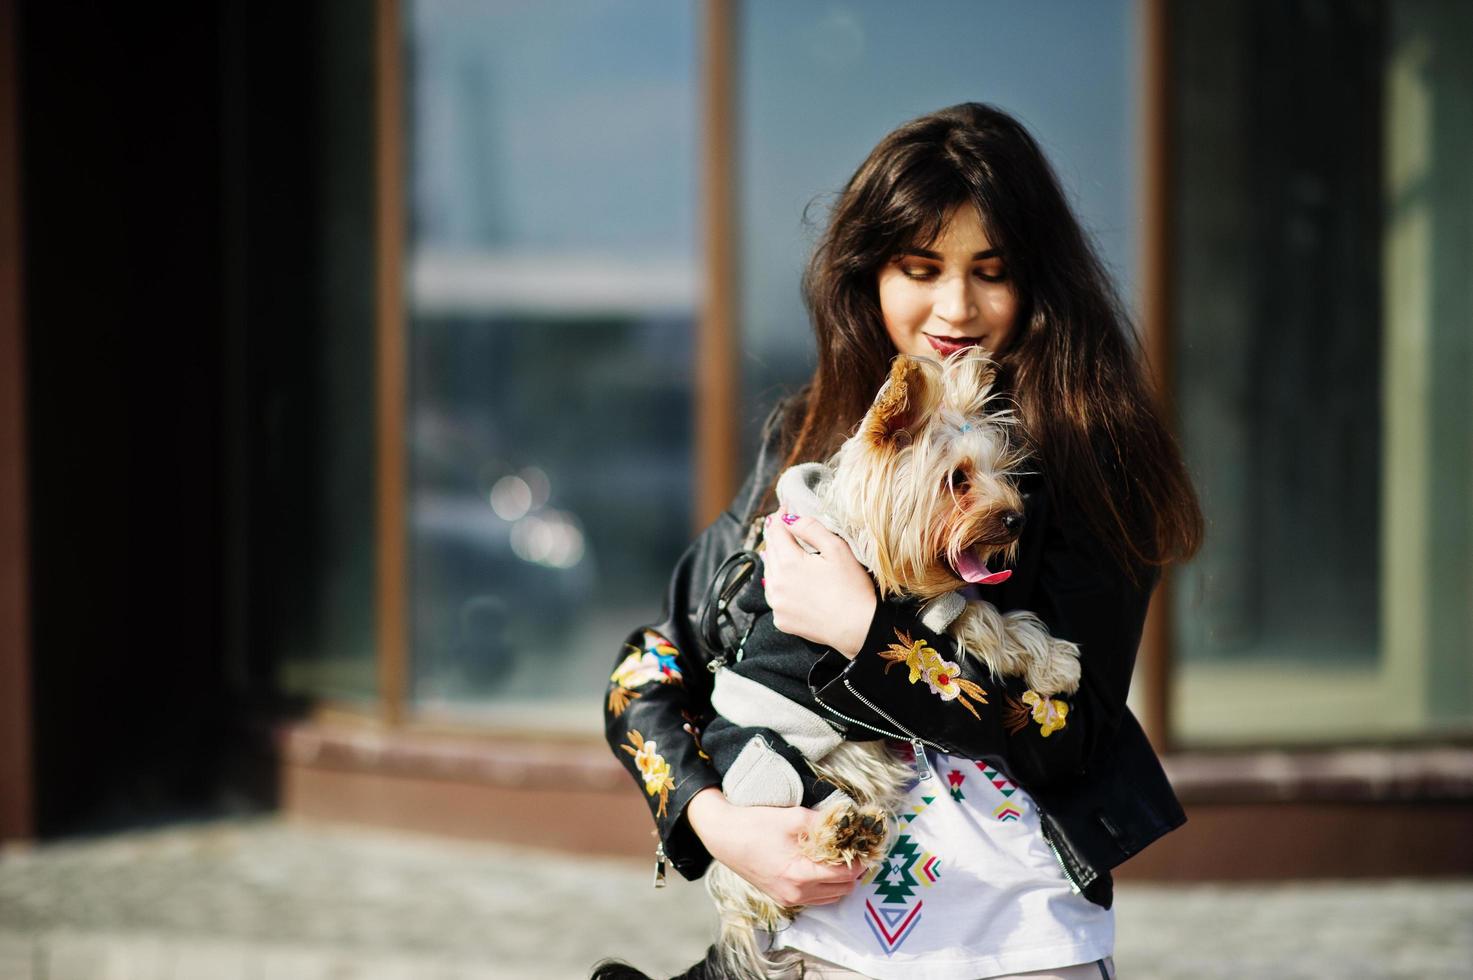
column 972, row 570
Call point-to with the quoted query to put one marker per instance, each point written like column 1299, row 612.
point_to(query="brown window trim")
column 392, row 601
column 1153, row 672
column 717, row 334
column 16, row 782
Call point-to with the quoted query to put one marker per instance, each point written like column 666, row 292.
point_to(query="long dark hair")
column 1072, row 366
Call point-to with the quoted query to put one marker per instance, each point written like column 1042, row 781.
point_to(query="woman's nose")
column 954, row 304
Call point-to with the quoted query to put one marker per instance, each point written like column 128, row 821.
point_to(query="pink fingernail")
column 764, row 583
column 790, row 518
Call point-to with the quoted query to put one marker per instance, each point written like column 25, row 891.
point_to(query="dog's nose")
column 1012, row 521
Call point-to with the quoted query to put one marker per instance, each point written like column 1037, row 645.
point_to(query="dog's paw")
column 849, row 833
column 1058, row 672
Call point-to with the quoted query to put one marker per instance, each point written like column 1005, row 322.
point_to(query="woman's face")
column 949, row 294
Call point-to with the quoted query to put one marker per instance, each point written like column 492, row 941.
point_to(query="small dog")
column 923, row 494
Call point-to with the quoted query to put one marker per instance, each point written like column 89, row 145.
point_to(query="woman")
column 953, row 232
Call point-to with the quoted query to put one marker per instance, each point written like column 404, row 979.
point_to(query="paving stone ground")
column 269, row 899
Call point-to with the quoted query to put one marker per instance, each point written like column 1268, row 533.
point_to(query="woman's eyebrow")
column 926, row 253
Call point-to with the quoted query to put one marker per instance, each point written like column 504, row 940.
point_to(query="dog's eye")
column 959, row 481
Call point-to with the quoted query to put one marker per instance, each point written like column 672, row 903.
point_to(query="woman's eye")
column 1000, row 274
column 918, row 272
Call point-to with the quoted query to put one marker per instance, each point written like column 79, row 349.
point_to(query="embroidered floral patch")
column 664, row 653
column 652, row 766
column 655, row 661
column 941, row 676
column 1048, row 712
column 1015, row 715
column 693, row 728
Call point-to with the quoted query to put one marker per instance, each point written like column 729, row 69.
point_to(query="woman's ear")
column 903, row 402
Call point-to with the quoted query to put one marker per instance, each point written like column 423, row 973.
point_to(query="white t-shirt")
column 969, row 889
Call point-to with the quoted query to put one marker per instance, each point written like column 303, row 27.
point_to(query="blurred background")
column 365, row 366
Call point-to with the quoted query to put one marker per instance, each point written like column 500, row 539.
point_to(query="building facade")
column 368, row 367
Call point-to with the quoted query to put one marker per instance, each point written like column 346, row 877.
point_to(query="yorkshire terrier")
column 923, row 494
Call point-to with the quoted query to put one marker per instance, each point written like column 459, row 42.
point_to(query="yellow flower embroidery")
column 1047, row 712
column 914, row 654
column 942, row 676
column 652, row 766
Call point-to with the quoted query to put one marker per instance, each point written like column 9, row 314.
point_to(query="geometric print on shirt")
column 894, row 909
column 1008, row 803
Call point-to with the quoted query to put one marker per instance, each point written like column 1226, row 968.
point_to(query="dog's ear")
column 969, row 379
column 902, row 403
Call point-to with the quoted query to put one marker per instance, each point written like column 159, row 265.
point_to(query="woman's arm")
column 1072, row 585
column 761, row 843
column 656, row 702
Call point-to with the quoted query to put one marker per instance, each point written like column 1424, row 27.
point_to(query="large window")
column 1324, row 238
column 1322, row 213
column 552, row 291
column 551, row 271
column 552, row 286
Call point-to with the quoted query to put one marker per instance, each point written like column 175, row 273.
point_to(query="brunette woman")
column 953, row 232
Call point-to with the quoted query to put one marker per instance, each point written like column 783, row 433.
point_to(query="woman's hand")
column 761, row 843
column 826, row 597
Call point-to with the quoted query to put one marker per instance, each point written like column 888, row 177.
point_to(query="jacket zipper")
column 917, row 744
column 1048, row 838
column 660, row 864
column 924, row 768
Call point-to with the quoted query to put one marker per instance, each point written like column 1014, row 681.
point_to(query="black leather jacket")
column 1100, row 791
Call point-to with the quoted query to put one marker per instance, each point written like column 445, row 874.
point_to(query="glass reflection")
column 1322, row 355
column 552, row 301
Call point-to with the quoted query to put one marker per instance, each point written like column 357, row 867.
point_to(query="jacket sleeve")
column 910, row 677
column 659, row 696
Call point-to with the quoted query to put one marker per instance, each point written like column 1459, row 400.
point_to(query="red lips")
column 946, row 346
